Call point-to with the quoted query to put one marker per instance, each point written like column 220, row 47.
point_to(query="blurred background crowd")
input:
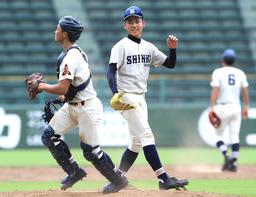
column 204, row 27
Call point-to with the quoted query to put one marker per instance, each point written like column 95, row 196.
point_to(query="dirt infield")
column 124, row 193
column 137, row 172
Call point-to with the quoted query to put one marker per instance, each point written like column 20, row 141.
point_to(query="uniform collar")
column 137, row 40
column 72, row 46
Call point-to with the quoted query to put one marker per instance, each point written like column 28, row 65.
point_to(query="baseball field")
column 33, row 172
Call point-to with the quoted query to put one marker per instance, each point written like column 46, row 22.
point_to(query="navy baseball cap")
column 133, row 11
column 73, row 26
column 229, row 53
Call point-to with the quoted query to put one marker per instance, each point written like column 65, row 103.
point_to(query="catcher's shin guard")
column 105, row 166
column 60, row 152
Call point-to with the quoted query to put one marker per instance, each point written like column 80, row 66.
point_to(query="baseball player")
column 227, row 84
column 127, row 75
column 82, row 109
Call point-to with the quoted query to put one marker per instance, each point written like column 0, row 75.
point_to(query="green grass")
column 169, row 156
column 41, row 157
column 243, row 187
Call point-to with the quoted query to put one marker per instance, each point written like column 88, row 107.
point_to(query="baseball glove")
column 32, row 82
column 214, row 119
column 50, row 107
column 117, row 102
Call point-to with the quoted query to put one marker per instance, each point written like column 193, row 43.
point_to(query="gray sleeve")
column 158, row 57
column 117, row 54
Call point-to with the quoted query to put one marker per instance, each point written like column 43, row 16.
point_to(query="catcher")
column 82, row 109
column 227, row 84
column 127, row 75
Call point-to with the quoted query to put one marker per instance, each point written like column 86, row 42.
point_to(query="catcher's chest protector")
column 63, row 55
column 72, row 90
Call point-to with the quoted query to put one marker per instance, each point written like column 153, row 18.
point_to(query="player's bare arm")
column 245, row 102
column 61, row 88
column 214, row 96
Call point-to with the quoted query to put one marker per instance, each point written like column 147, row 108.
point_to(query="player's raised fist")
column 172, row 42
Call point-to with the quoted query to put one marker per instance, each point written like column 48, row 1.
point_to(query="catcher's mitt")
column 214, row 119
column 117, row 102
column 32, row 82
column 51, row 106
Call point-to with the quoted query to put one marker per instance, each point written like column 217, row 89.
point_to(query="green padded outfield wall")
column 21, row 127
column 191, row 127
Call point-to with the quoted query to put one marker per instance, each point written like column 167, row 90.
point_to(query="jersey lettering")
column 141, row 58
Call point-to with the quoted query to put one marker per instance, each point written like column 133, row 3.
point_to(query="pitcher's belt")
column 76, row 103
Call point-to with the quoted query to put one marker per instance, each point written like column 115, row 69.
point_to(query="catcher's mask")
column 73, row 26
column 50, row 108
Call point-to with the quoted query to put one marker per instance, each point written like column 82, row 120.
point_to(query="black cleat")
column 229, row 165
column 64, row 179
column 225, row 166
column 70, row 180
column 232, row 168
column 115, row 187
column 173, row 183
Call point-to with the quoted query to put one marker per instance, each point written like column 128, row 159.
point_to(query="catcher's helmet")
column 229, row 56
column 133, row 11
column 73, row 26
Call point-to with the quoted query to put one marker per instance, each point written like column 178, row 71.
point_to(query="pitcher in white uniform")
column 228, row 83
column 128, row 71
column 82, row 109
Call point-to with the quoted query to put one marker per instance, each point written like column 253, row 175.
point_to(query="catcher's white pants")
column 230, row 115
column 87, row 117
column 140, row 132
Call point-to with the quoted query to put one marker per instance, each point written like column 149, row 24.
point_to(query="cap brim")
column 136, row 15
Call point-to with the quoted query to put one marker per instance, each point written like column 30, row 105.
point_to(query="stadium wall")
column 21, row 127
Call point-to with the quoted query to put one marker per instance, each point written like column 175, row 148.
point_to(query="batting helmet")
column 229, row 56
column 133, row 11
column 72, row 26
